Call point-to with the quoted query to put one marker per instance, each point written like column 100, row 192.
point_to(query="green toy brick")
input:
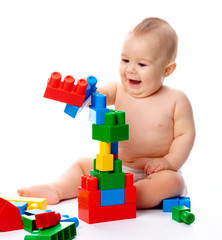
column 110, row 134
column 114, row 128
column 109, row 180
column 29, row 223
column 117, row 166
column 182, row 214
column 62, row 231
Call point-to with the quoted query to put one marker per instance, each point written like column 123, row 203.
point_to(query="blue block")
column 184, row 201
column 72, row 110
column 169, row 203
column 114, row 148
column 35, row 211
column 22, row 206
column 97, row 109
column 112, row 197
column 66, row 218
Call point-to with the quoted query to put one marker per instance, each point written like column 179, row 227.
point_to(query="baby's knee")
column 175, row 180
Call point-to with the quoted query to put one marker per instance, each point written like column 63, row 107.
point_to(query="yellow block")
column 104, row 162
column 33, row 203
column 105, row 148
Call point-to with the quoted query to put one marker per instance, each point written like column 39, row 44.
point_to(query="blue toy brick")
column 22, row 206
column 184, row 201
column 35, row 211
column 92, row 81
column 112, row 197
column 71, row 110
column 97, row 109
column 66, row 218
column 114, row 148
column 169, row 203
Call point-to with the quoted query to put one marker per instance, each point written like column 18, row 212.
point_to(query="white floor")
column 149, row 224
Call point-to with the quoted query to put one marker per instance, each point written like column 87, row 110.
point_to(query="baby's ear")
column 170, row 69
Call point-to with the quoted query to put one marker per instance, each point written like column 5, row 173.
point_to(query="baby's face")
column 142, row 65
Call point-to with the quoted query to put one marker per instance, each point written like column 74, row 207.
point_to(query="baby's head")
column 148, row 56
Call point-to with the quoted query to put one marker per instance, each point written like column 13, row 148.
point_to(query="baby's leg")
column 158, row 186
column 65, row 187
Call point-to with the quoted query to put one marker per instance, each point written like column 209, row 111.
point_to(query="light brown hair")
column 162, row 30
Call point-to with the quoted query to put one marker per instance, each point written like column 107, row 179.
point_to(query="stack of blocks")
column 107, row 194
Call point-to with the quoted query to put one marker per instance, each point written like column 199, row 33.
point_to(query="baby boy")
column 160, row 118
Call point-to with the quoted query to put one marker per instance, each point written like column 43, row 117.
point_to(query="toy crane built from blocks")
column 107, row 194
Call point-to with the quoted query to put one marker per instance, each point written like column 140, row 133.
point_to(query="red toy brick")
column 88, row 193
column 66, row 91
column 128, row 179
column 10, row 218
column 130, row 194
column 47, row 219
column 107, row 213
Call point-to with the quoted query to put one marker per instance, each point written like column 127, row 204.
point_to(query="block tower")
column 107, row 194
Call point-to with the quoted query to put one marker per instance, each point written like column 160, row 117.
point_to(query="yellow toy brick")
column 33, row 203
column 104, row 160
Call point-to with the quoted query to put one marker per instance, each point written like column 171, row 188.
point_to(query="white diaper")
column 139, row 174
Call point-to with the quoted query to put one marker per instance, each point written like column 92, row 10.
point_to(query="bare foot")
column 47, row 191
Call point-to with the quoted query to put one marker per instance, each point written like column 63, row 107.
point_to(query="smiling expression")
column 142, row 66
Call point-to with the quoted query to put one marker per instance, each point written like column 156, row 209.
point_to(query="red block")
column 88, row 193
column 128, row 179
column 10, row 218
column 130, row 194
column 66, row 91
column 107, row 213
column 47, row 219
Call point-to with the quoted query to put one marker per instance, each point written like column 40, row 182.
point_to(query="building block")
column 97, row 109
column 112, row 197
column 182, row 214
column 66, row 91
column 184, row 201
column 62, row 231
column 169, row 203
column 172, row 202
column 33, row 203
column 71, row 110
column 88, row 193
column 117, row 165
column 114, row 148
column 114, row 129
column 109, row 180
column 22, row 206
column 105, row 160
column 29, row 223
column 65, row 218
column 130, row 194
column 10, row 218
column 107, row 213
column 35, row 211
column 48, row 219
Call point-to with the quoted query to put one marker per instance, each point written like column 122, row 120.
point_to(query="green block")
column 62, row 231
column 117, row 166
column 109, row 180
column 182, row 214
column 110, row 134
column 114, row 128
column 29, row 223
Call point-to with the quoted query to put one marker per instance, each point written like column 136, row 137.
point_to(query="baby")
column 160, row 119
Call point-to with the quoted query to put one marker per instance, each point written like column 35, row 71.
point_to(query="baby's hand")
column 155, row 165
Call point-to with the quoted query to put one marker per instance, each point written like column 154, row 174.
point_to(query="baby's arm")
column 184, row 135
column 109, row 90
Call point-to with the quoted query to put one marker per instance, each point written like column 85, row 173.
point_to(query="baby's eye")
column 125, row 60
column 142, row 64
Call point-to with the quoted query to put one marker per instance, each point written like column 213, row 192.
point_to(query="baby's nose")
column 131, row 69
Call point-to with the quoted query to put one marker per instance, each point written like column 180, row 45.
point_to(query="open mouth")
column 134, row 82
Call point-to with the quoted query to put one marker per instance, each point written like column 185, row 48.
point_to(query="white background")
column 39, row 141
